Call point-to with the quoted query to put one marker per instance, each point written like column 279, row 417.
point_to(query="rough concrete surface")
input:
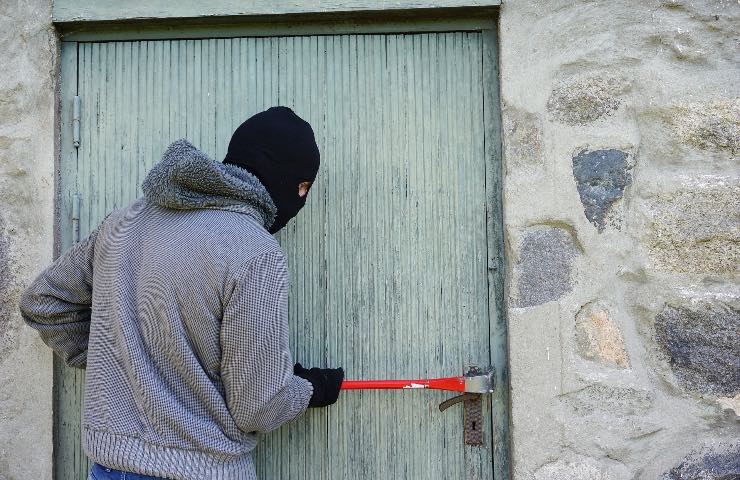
column 27, row 53
column 730, row 403
column 610, row 400
column 579, row 468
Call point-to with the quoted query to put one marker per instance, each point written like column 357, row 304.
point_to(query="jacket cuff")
column 302, row 391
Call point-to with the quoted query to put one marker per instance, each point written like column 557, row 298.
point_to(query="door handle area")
column 472, row 416
column 473, row 406
column 457, row 399
column 472, row 386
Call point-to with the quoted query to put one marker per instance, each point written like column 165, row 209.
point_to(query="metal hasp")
column 477, row 382
column 76, row 103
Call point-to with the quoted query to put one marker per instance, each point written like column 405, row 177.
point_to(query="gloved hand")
column 326, row 383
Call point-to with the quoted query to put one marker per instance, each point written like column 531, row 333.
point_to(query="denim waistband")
column 101, row 472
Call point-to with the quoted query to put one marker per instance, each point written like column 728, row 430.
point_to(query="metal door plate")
column 474, row 420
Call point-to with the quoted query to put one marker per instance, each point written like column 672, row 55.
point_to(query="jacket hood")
column 187, row 178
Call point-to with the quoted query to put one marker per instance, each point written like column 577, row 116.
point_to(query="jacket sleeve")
column 256, row 365
column 58, row 302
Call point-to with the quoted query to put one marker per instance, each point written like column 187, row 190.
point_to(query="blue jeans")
column 99, row 472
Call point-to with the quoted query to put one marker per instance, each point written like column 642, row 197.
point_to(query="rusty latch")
column 473, row 413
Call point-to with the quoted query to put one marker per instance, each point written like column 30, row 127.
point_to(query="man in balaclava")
column 177, row 307
column 278, row 147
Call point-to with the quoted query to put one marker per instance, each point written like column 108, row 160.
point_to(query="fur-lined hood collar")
column 187, row 178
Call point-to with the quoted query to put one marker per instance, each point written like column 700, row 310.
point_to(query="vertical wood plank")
column 130, row 141
column 499, row 348
column 65, row 397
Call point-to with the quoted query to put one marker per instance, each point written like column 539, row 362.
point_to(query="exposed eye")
column 303, row 188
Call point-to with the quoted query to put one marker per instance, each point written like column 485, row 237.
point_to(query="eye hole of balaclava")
column 303, row 188
column 279, row 148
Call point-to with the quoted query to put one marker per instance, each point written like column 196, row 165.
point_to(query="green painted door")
column 393, row 260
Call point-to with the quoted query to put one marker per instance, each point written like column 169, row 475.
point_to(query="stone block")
column 543, row 269
column 682, row 45
column 579, row 470
column 702, row 344
column 581, row 101
column 716, row 462
column 603, row 399
column 696, row 229
column 712, row 125
column 598, row 337
column 522, row 138
column 601, row 176
column 8, row 320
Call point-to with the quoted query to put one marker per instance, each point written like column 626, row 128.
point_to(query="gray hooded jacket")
column 177, row 307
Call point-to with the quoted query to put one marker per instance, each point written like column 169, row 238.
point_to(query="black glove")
column 326, row 383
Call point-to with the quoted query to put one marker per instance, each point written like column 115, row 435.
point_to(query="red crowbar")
column 476, row 381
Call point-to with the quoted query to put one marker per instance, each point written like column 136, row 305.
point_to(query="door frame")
column 67, row 382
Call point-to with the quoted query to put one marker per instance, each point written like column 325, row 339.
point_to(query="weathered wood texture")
column 390, row 258
column 114, row 10
column 284, row 27
column 496, row 260
column 69, row 459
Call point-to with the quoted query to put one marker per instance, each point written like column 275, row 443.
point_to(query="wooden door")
column 393, row 260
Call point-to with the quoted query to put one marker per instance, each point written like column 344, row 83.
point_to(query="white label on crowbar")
column 415, row 385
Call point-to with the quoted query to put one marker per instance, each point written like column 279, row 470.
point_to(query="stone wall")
column 622, row 210
column 28, row 49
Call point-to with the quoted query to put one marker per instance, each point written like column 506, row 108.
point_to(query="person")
column 177, row 307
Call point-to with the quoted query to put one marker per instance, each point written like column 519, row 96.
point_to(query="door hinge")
column 76, row 103
column 76, row 199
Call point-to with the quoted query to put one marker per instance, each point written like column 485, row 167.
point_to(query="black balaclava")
column 279, row 148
